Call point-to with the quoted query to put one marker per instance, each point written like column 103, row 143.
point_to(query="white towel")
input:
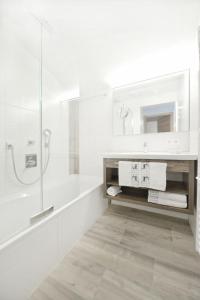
column 136, row 173
column 125, row 173
column 157, row 176
column 168, row 202
column 144, row 175
column 139, row 174
column 129, row 173
column 168, row 196
column 114, row 190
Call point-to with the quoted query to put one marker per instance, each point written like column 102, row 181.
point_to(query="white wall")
column 55, row 118
column 20, row 96
column 19, row 102
column 153, row 42
column 173, row 50
column 55, row 111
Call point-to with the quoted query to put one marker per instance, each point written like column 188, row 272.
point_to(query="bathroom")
column 90, row 90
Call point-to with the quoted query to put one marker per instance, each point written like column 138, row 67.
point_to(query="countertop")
column 152, row 155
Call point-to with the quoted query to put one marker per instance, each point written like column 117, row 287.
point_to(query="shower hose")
column 11, row 148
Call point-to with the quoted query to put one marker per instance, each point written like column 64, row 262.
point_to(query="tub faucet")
column 145, row 145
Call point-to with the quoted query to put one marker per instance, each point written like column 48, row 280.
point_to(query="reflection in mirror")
column 159, row 118
column 152, row 106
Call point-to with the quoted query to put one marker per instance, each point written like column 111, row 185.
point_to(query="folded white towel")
column 114, row 190
column 168, row 202
column 168, row 196
column 157, row 176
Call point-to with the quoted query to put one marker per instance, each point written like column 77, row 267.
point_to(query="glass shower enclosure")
column 43, row 127
column 24, row 150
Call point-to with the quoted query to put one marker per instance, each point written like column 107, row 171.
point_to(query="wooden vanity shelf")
column 180, row 179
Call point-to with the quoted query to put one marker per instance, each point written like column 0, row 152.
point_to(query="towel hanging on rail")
column 143, row 174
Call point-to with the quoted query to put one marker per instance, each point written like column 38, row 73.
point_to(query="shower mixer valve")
column 31, row 160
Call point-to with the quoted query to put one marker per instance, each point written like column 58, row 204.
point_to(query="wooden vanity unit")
column 181, row 179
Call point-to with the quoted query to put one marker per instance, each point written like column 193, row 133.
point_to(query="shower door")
column 20, row 122
column 198, row 177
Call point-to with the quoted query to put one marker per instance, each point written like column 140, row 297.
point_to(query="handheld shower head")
column 47, row 132
column 47, row 135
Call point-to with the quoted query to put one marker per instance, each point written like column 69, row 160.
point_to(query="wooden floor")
column 128, row 255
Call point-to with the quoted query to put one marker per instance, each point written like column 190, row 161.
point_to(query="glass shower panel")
column 20, row 130
column 75, row 120
column 60, row 115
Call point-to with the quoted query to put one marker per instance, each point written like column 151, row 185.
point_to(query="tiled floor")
column 128, row 255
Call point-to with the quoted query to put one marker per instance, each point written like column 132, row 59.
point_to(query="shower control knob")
column 30, row 160
column 9, row 146
column 31, row 142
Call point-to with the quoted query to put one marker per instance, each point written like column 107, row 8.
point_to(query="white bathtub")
column 27, row 257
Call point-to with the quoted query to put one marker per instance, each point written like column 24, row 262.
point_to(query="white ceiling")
column 97, row 37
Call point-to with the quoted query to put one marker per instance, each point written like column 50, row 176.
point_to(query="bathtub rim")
column 19, row 236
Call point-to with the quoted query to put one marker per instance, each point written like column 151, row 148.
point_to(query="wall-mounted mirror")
column 152, row 106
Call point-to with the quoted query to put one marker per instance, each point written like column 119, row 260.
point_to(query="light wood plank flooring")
column 128, row 255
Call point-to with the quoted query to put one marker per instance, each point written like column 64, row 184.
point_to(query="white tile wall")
column 55, row 117
column 19, row 101
column 20, row 109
